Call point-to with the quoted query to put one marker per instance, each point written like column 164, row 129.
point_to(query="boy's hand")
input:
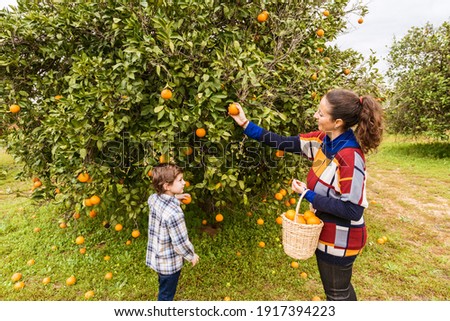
column 182, row 196
column 195, row 260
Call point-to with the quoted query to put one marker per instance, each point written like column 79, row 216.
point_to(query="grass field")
column 409, row 195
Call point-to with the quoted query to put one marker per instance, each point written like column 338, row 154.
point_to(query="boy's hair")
column 164, row 173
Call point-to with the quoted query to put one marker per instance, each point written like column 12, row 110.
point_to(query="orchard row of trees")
column 419, row 68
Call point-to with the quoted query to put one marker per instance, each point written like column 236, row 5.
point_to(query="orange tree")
column 108, row 89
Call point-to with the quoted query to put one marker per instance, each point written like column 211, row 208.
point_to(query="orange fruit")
column 286, row 202
column 135, row 233
column 346, row 71
column 219, row 217
column 37, row 184
column 260, row 221
column 384, row 238
column 290, row 214
column 381, row 240
column 71, row 280
column 300, row 219
column 249, row 214
column 227, row 298
column 314, row 76
column 31, row 262
column 76, row 215
column 326, row 13
column 36, row 229
column 187, row 184
column 83, row 177
column 92, row 214
column 79, row 240
column 303, row 275
column 16, row 277
column 279, row 220
column 57, row 191
column 87, row 202
column 150, row 173
column 313, row 220
column 320, row 32
column 14, row 108
column 204, row 222
column 283, row 192
column 62, row 225
column 200, row 132
column 83, row 250
column 186, row 200
column 108, row 276
column 95, row 200
column 262, row 244
column 163, row 159
column 263, row 16
column 360, row 20
column 278, row 196
column 58, row 97
column 46, row 280
column 89, row 294
column 294, row 265
column 118, row 227
column 19, row 285
column 279, row 153
column 128, row 242
column 316, row 298
column 308, row 214
column 166, row 94
column 188, row 150
column 233, row 110
column 106, row 258
column 292, row 201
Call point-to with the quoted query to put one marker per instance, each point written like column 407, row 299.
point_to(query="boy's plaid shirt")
column 168, row 241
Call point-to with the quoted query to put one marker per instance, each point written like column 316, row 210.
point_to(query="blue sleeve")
column 336, row 207
column 288, row 144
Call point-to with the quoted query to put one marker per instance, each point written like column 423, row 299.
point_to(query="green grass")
column 412, row 265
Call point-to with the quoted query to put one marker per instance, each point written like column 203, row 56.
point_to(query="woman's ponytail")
column 370, row 125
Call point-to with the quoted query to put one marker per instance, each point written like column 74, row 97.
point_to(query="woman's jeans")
column 336, row 281
column 167, row 286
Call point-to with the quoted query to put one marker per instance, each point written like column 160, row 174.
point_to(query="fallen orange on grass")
column 71, row 280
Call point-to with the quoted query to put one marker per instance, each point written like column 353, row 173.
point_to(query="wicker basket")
column 300, row 240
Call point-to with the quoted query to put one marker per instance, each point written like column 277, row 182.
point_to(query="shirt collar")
column 332, row 147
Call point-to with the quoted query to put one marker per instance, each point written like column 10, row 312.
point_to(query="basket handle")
column 299, row 202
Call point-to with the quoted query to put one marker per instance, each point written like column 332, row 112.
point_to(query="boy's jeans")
column 167, row 286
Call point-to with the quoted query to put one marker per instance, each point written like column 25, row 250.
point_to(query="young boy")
column 168, row 241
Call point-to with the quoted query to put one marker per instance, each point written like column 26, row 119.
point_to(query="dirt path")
column 411, row 199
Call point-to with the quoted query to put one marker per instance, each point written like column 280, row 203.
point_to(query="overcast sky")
column 386, row 19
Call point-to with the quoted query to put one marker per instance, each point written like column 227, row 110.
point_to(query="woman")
column 336, row 182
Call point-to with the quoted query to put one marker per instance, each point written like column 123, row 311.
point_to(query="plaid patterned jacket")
column 337, row 187
column 168, row 241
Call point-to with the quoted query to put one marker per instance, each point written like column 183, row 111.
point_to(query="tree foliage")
column 419, row 67
column 88, row 77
